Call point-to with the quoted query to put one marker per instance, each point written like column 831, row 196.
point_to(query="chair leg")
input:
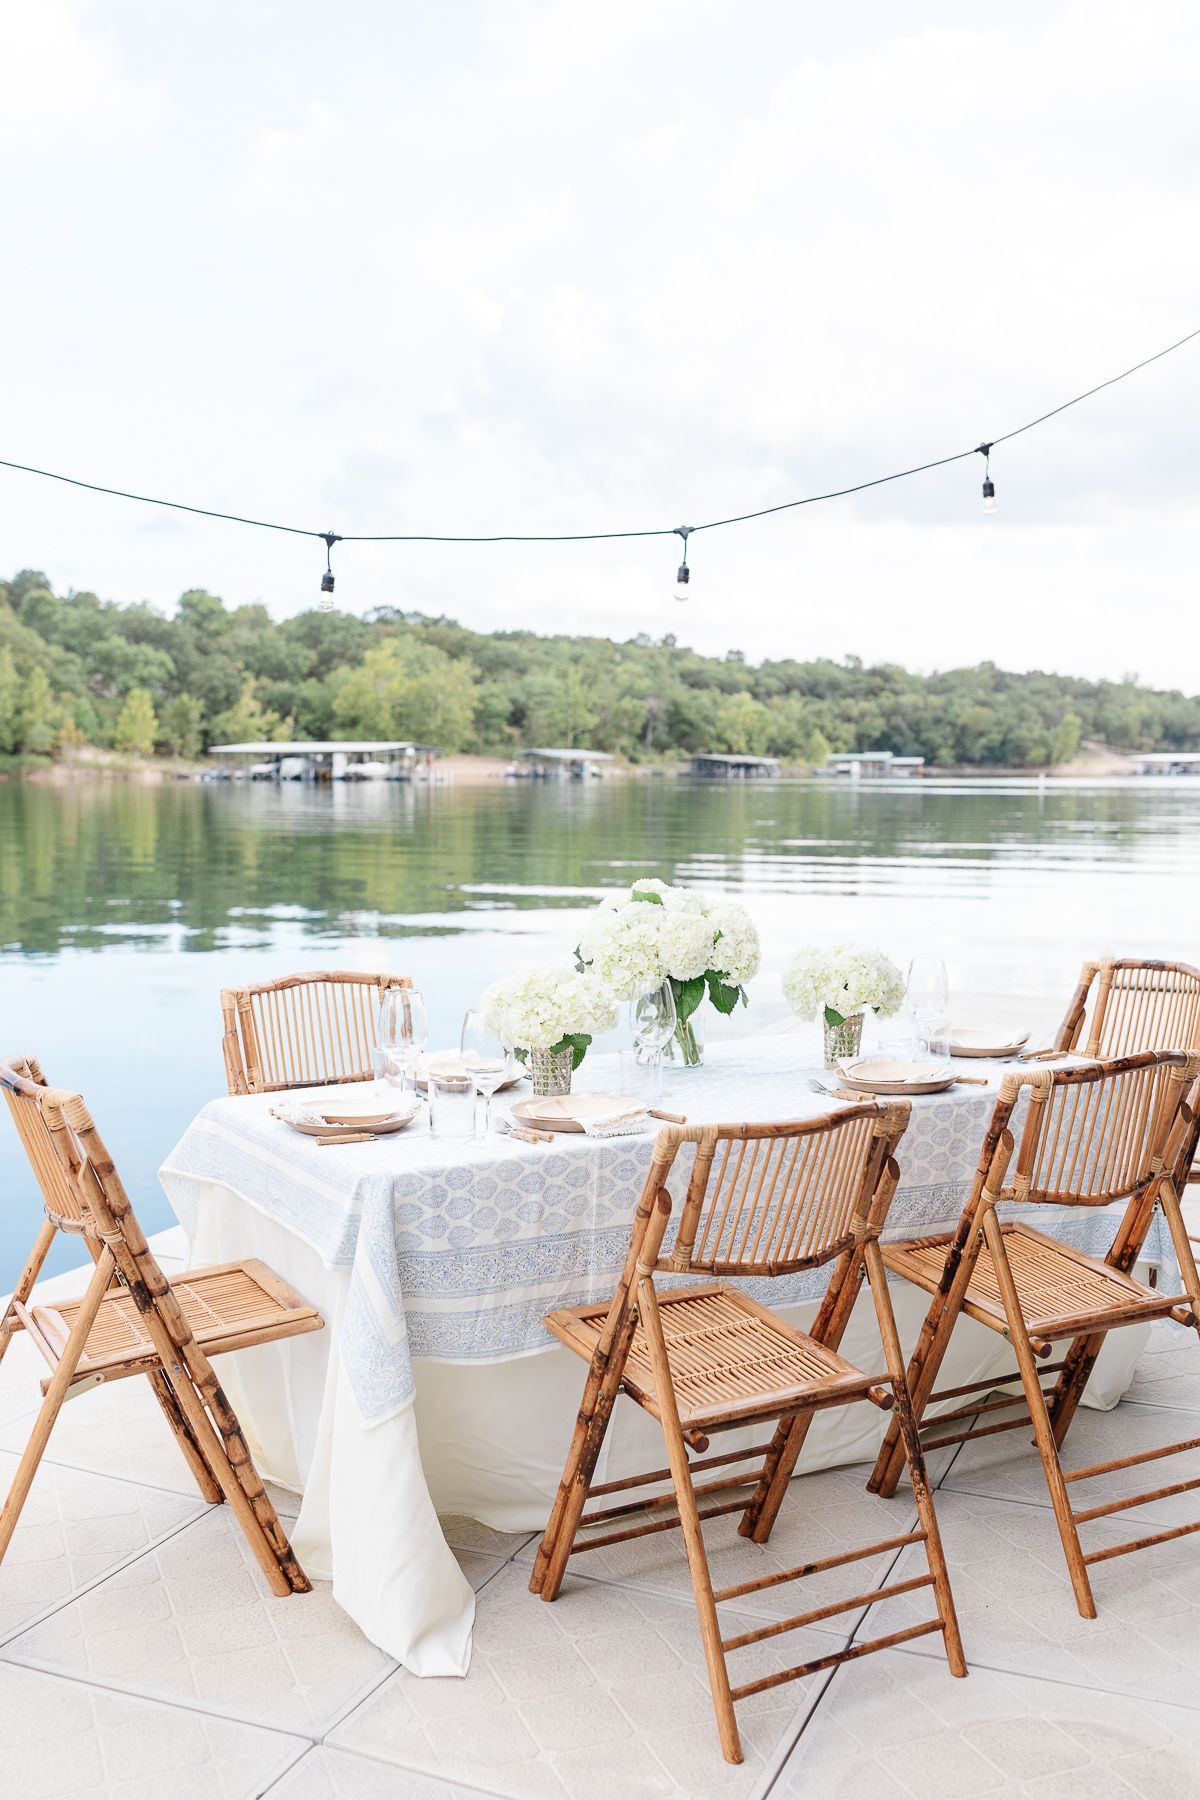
column 920, row 1380
column 193, row 1456
column 25, row 1285
column 1039, row 1417
column 689, row 1519
column 829, row 1328
column 934, row 1554
column 56, row 1393
column 587, row 1440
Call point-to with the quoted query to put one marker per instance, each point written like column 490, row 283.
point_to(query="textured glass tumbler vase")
column 843, row 1039
column 550, row 1072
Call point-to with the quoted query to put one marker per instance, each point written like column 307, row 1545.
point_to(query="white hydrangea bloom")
column 845, row 978
column 686, row 943
column 537, row 1007
column 622, row 946
column 736, row 953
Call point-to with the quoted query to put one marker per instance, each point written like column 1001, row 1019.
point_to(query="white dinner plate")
column 987, row 1041
column 569, row 1111
column 894, row 1075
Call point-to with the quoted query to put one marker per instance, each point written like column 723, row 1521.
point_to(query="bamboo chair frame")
column 132, row 1321
column 303, row 1030
column 1123, row 1129
column 767, row 1200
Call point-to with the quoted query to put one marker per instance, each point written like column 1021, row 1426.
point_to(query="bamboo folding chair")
column 302, row 1030
column 706, row 1358
column 132, row 1321
column 1092, row 1134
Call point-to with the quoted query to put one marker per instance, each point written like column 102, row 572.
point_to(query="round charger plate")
column 989, row 1042
column 452, row 1062
column 367, row 1104
column 331, row 1127
column 889, row 1075
column 569, row 1112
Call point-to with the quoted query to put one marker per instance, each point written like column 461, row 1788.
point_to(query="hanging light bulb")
column 683, row 574
column 326, row 604
column 989, row 486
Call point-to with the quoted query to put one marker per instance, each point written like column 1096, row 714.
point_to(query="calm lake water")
column 123, row 910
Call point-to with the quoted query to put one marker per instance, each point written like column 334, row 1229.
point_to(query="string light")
column 989, row 486
column 683, row 574
column 325, row 603
column 329, row 538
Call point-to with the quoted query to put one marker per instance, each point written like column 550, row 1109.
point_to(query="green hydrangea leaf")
column 688, row 995
column 723, row 997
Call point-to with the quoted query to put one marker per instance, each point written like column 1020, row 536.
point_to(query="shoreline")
column 470, row 770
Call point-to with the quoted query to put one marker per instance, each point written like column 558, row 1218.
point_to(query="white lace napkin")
column 616, row 1124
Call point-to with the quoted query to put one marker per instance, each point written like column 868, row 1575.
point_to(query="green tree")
column 817, row 749
column 246, row 721
column 137, row 725
column 1064, row 738
column 10, row 701
column 36, row 725
column 406, row 689
column 743, row 725
column 181, row 728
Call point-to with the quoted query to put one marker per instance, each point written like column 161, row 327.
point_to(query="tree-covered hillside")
column 75, row 669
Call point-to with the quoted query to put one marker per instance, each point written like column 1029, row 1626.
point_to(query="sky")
column 544, row 266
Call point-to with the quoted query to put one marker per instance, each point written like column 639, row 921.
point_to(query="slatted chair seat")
column 228, row 1307
column 762, row 1200
column 1061, row 1289
column 730, row 1358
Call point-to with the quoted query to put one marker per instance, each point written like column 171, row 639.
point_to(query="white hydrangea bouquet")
column 548, row 1015
column 650, row 933
column 838, row 983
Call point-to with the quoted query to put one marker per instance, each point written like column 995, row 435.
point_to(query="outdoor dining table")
column 435, row 1389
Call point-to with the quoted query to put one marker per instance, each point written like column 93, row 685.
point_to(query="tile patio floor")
column 141, row 1655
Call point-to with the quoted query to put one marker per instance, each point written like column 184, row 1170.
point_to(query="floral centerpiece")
column 548, row 1015
column 839, row 983
column 652, row 933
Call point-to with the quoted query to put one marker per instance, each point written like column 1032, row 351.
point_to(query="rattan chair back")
column 1124, row 1006
column 774, row 1199
column 21, row 1078
column 1095, row 1133
column 303, row 1030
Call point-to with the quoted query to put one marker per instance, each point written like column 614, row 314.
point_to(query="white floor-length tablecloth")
column 434, row 1387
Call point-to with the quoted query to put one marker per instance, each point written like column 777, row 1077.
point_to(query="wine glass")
column 927, row 997
column 401, row 1034
column 488, row 1061
column 653, row 1018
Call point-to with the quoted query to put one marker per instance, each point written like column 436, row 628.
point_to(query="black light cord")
column 595, row 537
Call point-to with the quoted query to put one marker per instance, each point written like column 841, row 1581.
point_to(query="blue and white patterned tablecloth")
column 458, row 1250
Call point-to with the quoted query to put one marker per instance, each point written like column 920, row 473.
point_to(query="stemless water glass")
column 451, row 1094
column 487, row 1061
column 653, row 1018
column 927, row 997
column 401, row 1034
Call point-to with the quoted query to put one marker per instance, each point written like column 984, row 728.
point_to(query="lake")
column 124, row 909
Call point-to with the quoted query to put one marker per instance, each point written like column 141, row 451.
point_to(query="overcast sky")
column 560, row 266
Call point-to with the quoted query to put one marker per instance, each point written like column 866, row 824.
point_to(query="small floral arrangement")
column 840, row 982
column 548, row 1007
column 650, row 933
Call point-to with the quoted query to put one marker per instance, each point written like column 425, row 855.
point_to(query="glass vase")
column 843, row 1039
column 686, row 1048
column 550, row 1072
